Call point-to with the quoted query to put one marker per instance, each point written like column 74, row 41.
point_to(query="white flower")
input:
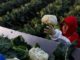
column 38, row 54
column 13, row 59
column 52, row 19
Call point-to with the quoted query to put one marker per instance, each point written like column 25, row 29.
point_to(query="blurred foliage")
column 20, row 16
column 64, row 52
column 35, row 28
column 12, row 4
column 14, row 48
column 24, row 15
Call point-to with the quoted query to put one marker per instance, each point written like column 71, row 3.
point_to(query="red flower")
column 71, row 34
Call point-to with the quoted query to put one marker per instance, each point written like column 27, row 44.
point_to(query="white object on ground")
column 13, row 59
column 38, row 54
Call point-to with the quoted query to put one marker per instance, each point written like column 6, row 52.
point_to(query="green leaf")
column 5, row 44
column 20, row 42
